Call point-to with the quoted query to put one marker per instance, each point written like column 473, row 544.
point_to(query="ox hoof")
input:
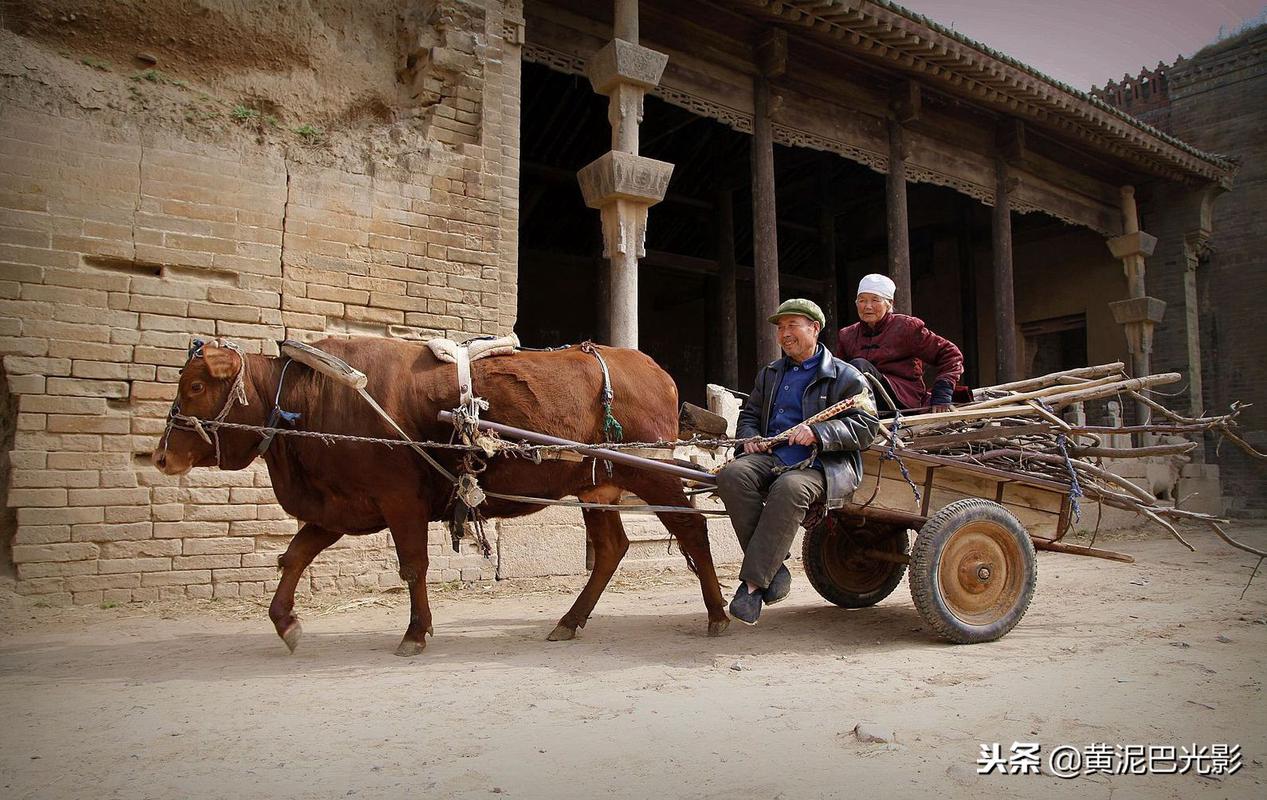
column 561, row 633
column 291, row 635
column 718, row 627
column 409, row 647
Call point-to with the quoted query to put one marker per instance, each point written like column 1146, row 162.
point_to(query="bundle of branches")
column 1017, row 427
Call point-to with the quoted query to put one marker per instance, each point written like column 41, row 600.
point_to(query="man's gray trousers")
column 766, row 508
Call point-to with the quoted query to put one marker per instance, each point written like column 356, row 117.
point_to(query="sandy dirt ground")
column 202, row 700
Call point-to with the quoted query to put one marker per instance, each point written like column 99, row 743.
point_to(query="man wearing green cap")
column 767, row 490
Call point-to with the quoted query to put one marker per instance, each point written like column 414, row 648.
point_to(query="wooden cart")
column 972, row 567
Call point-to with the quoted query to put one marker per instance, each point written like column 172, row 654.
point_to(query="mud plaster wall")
column 178, row 169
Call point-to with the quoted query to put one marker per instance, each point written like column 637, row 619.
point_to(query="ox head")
column 211, row 383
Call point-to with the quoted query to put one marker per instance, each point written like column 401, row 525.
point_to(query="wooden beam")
column 707, row 266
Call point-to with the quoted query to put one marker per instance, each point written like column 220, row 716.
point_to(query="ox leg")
column 691, row 531
column 411, row 549
column 310, row 541
column 607, row 535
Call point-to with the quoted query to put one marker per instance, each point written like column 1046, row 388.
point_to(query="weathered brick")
column 118, row 580
column 109, row 497
column 105, row 566
column 64, row 423
column 43, row 498
column 59, row 516
column 220, row 311
column 146, row 548
column 48, row 404
column 87, row 388
column 27, row 365
column 71, row 551
column 181, row 530
column 112, row 532
column 266, row 559
column 218, row 546
column 50, row 569
column 176, row 577
column 245, row 574
column 278, row 527
column 41, row 534
column 226, row 561
column 215, row 513
column 33, row 478
column 38, row 586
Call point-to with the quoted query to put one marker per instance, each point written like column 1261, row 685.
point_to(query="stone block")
column 217, row 546
column 176, row 577
column 105, row 566
column 68, row 551
column 146, row 548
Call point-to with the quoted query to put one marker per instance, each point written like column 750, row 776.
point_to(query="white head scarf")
column 877, row 284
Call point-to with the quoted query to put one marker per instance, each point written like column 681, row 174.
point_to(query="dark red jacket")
column 899, row 346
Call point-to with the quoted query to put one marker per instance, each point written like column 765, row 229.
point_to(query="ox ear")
column 222, row 363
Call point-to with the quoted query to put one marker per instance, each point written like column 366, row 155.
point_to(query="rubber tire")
column 930, row 545
column 815, row 557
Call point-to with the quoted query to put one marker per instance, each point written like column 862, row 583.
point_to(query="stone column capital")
column 624, row 176
column 1138, row 309
column 620, row 62
column 1132, row 244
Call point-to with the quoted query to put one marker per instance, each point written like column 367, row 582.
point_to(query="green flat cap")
column 801, row 306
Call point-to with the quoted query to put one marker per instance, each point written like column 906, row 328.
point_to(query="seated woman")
column 895, row 348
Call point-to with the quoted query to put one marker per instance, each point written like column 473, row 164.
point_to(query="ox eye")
column 196, row 387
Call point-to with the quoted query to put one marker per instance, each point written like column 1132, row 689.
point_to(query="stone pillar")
column 1139, row 313
column 728, row 309
column 771, row 56
column 621, row 184
column 1004, row 297
column 1196, row 245
column 899, row 226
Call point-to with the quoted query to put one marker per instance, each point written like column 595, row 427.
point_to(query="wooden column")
column 771, row 59
column 899, row 225
column 827, row 255
column 1004, row 298
column 727, row 305
column 765, row 235
column 968, row 298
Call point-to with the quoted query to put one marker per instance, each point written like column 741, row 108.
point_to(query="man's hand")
column 758, row 446
column 942, row 408
column 803, row 435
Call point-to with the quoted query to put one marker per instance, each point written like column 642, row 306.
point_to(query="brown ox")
column 360, row 488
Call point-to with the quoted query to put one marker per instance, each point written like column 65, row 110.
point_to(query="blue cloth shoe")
column 779, row 586
column 746, row 606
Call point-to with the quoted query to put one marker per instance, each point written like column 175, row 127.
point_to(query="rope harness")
column 237, row 394
column 477, row 445
column 1075, row 488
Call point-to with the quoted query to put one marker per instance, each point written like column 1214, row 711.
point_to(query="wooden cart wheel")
column 840, row 569
column 973, row 571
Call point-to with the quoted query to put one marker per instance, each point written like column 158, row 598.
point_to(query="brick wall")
column 125, row 232
column 1216, row 103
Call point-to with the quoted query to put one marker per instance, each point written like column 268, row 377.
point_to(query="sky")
column 1089, row 42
